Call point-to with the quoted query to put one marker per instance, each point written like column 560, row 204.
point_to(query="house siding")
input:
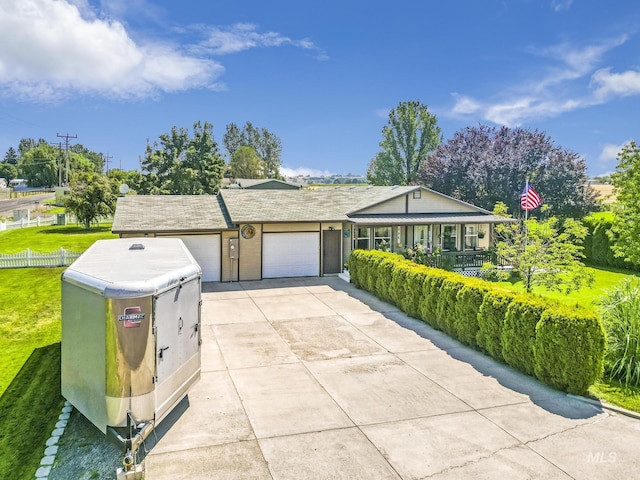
column 395, row 205
column 250, row 261
column 432, row 203
column 229, row 267
column 291, row 227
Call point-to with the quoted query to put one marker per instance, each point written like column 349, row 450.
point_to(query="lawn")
column 30, row 399
column 48, row 239
column 605, row 279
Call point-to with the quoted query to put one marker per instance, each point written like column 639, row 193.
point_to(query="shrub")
column 428, row 302
column 383, row 276
column 519, row 332
column 562, row 347
column 357, row 267
column 416, row 276
column 621, row 317
column 468, row 301
column 597, row 245
column 446, row 303
column 569, row 348
column 491, row 321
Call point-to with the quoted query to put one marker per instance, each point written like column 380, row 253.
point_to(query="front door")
column 331, row 248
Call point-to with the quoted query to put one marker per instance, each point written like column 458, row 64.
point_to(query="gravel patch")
column 84, row 452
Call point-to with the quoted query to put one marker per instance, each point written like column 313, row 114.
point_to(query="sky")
column 321, row 75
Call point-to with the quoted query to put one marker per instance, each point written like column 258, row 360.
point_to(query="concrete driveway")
column 313, row 379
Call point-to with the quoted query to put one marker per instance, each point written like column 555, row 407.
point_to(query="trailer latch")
column 162, row 349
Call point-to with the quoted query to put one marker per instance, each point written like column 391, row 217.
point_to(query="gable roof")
column 200, row 213
column 264, row 183
column 169, row 213
column 324, row 204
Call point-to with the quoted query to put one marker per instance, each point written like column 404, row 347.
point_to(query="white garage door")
column 290, row 255
column 206, row 250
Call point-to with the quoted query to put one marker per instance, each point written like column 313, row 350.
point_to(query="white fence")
column 29, row 258
column 24, row 223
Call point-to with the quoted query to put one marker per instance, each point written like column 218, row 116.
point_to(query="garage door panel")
column 206, row 251
column 291, row 255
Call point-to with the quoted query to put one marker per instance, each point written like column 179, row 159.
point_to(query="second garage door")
column 206, row 250
column 291, row 254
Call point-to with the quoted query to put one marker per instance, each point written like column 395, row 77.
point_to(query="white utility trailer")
column 130, row 333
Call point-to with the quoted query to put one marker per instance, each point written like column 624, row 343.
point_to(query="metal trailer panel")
column 83, row 358
column 112, row 341
column 116, row 269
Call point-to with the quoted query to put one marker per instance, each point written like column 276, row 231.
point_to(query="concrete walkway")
column 315, row 379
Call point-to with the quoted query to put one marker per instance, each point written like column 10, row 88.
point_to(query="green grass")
column 604, row 280
column 30, row 305
column 47, row 239
column 29, row 410
column 615, row 393
column 29, row 316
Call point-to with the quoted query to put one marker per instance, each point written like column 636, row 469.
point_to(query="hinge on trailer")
column 154, row 379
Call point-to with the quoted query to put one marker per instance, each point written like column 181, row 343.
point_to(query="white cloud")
column 609, row 84
column 610, row 152
column 545, row 96
column 465, row 105
column 304, row 171
column 51, row 50
column 559, row 5
column 244, row 36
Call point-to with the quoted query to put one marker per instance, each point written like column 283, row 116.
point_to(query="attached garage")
column 291, row 254
column 206, row 250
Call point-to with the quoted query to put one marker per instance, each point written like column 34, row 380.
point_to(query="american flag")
column 530, row 198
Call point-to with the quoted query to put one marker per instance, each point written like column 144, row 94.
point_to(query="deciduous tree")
column 179, row 164
column 266, row 144
column 40, row 166
column 542, row 253
column 8, row 171
column 626, row 224
column 484, row 165
column 409, row 137
column 90, row 197
column 246, row 163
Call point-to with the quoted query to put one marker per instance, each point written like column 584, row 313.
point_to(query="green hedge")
column 491, row 315
column 565, row 340
column 597, row 245
column 519, row 332
column 561, row 347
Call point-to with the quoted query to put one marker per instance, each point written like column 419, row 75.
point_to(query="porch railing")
column 467, row 260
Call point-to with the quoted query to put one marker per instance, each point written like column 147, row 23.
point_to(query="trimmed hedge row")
column 597, row 245
column 560, row 346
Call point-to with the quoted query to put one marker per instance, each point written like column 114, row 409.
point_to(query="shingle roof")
column 169, row 213
column 325, row 204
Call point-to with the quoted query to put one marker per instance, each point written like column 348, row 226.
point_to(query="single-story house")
column 247, row 234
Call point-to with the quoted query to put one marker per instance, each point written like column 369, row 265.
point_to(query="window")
column 449, row 235
column 417, row 194
column 361, row 239
column 470, row 237
column 422, row 234
column 381, row 234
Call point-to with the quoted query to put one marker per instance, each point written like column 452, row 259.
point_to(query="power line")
column 107, row 159
column 66, row 149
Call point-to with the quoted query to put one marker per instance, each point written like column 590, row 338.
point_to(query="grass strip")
column 29, row 410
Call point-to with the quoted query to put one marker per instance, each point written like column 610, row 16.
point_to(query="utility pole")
column 107, row 159
column 59, row 144
column 66, row 148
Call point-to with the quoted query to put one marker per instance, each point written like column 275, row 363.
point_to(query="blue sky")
column 320, row 75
